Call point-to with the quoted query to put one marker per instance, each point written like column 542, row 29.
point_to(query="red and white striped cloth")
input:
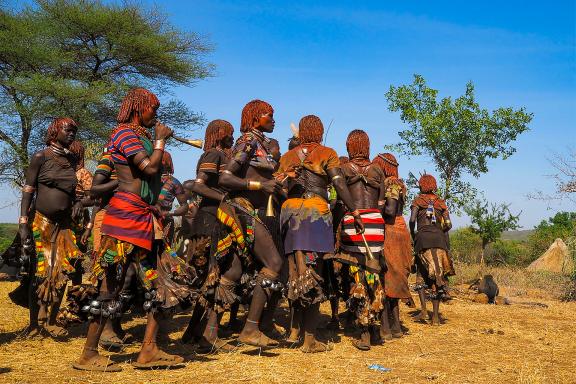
column 374, row 232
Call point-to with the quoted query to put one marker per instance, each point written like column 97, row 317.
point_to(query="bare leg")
column 266, row 252
column 193, row 329
column 385, row 329
column 423, row 315
column 295, row 323
column 435, row 307
column 33, row 307
column 311, row 317
column 395, row 313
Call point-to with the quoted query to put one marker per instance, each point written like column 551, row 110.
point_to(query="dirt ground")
column 478, row 343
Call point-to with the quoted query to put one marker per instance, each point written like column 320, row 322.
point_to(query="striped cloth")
column 374, row 232
column 129, row 218
column 124, row 142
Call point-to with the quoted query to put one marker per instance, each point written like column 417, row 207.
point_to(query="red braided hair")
column 137, row 100
column 253, row 111
column 427, row 184
column 56, row 126
column 310, row 129
column 387, row 163
column 216, row 131
column 358, row 144
column 167, row 164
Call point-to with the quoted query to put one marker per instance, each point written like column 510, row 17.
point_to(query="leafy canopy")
column 456, row 134
column 490, row 220
column 78, row 58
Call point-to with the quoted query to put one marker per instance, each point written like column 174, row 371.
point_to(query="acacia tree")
column 490, row 220
column 564, row 177
column 456, row 134
column 78, row 58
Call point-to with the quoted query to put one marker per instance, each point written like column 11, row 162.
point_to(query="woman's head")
column 62, row 131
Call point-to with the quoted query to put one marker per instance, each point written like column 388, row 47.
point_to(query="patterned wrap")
column 307, row 225
column 374, row 232
column 55, row 239
column 171, row 188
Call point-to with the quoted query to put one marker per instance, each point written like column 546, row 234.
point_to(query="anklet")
column 91, row 349
column 252, row 321
column 148, row 342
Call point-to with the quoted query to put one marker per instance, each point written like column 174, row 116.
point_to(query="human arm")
column 137, row 156
column 412, row 223
column 28, row 193
column 339, row 184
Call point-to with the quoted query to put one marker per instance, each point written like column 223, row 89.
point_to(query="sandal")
column 261, row 341
column 161, row 360
column 111, row 343
column 98, row 363
column 206, row 347
column 55, row 331
column 358, row 343
column 317, row 347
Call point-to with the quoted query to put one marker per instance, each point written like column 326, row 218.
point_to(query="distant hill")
column 517, row 235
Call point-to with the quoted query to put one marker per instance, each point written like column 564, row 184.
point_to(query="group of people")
column 257, row 226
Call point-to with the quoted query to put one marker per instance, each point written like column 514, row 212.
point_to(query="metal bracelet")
column 143, row 164
column 159, row 144
column 336, row 177
column 28, row 189
column 199, row 181
column 89, row 225
column 254, row 185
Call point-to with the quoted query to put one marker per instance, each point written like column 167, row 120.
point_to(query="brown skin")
column 54, row 204
column 365, row 197
column 210, row 334
column 435, row 303
column 51, row 202
column 130, row 178
column 264, row 249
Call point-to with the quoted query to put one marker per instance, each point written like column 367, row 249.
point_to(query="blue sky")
column 336, row 59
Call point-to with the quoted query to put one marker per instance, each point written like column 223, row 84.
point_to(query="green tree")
column 465, row 245
column 490, row 220
column 456, row 134
column 77, row 58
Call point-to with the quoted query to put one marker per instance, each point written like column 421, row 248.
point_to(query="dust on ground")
column 478, row 343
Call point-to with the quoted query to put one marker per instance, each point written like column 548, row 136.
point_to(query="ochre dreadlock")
column 344, row 160
column 56, row 126
column 167, row 164
column 427, row 184
column 77, row 148
column 216, row 131
column 253, row 111
column 358, row 145
column 137, row 100
column 387, row 163
column 310, row 129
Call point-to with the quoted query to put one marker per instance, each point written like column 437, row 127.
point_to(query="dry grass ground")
column 477, row 344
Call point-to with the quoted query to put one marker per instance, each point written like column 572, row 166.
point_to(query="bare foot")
column 421, row 317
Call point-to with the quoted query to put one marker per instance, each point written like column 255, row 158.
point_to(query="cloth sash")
column 374, row 232
column 130, row 219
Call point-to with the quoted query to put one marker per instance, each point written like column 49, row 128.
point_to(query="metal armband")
column 28, row 189
column 143, row 164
